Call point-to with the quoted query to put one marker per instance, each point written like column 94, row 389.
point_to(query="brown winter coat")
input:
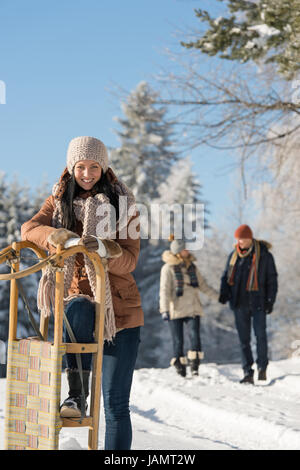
column 125, row 295
column 189, row 304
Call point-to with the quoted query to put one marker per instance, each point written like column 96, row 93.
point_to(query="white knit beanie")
column 86, row 148
column 177, row 246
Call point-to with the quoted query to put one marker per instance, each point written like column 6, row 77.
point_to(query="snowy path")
column 215, row 411
column 212, row 411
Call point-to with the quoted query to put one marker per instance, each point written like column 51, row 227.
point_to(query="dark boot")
column 180, row 365
column 194, row 361
column 75, row 404
column 262, row 374
column 248, row 378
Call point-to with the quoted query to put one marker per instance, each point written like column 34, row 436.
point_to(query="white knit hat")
column 86, row 148
column 177, row 246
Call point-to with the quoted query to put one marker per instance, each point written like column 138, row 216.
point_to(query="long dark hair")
column 73, row 190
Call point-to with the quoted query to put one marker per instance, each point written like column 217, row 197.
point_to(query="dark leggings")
column 176, row 326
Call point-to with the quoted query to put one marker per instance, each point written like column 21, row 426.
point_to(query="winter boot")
column 262, row 374
column 180, row 365
column 194, row 360
column 248, row 378
column 75, row 404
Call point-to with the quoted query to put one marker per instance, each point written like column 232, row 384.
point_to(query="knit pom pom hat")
column 244, row 231
column 176, row 246
column 86, row 148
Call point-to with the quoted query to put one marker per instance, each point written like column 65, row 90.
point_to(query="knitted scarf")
column 88, row 211
column 191, row 270
column 252, row 283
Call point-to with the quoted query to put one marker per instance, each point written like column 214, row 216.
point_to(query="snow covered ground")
column 211, row 412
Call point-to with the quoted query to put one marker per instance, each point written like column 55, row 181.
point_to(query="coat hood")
column 263, row 243
column 267, row 245
column 169, row 258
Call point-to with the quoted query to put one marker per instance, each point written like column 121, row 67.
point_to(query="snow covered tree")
column 183, row 191
column 261, row 30
column 276, row 200
column 146, row 153
column 182, row 185
column 247, row 101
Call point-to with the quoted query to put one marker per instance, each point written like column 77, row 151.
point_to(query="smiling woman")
column 87, row 163
column 73, row 211
column 87, row 173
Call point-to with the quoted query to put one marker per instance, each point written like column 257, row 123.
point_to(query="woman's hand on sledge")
column 89, row 242
column 104, row 248
column 60, row 235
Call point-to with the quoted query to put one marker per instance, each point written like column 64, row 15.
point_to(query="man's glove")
column 223, row 299
column 268, row 307
column 165, row 316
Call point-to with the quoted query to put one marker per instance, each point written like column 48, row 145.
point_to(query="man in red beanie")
column 249, row 283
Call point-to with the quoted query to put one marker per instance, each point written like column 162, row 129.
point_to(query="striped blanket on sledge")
column 32, row 419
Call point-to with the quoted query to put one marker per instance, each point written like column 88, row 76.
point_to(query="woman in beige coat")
column 180, row 283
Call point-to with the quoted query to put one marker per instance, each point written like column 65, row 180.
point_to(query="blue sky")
column 59, row 61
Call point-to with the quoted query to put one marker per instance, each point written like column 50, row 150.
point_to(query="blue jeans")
column 119, row 357
column 176, row 326
column 243, row 320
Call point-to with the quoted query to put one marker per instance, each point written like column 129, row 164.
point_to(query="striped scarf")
column 252, row 283
column 191, row 270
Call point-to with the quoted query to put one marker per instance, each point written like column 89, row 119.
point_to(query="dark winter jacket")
column 237, row 295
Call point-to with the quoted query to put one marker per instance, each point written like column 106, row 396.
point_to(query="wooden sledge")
column 34, row 366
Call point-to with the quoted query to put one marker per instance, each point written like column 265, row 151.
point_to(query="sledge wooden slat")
column 26, row 272
column 98, row 358
column 73, row 348
column 77, row 422
column 59, row 300
column 4, row 253
column 13, row 302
